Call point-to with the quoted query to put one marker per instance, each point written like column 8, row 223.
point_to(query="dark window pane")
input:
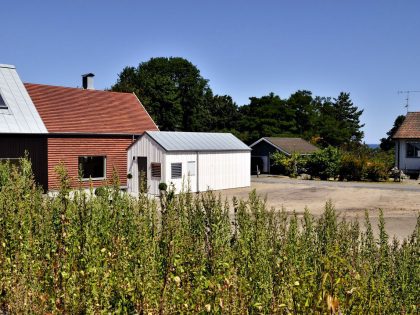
column 2, row 103
column 413, row 149
column 92, row 166
column 176, row 170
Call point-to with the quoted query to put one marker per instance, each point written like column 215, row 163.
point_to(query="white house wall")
column 407, row 163
column 155, row 154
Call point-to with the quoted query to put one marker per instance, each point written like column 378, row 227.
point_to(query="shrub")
column 292, row 165
column 102, row 191
column 376, row 171
column 324, row 163
column 352, row 167
column 163, row 186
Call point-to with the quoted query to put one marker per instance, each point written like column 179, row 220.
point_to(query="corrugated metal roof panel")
column 197, row 141
column 20, row 116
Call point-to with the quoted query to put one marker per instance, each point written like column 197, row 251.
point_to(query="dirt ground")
column 400, row 202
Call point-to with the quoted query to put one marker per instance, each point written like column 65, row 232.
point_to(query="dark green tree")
column 387, row 143
column 338, row 121
column 266, row 116
column 224, row 113
column 302, row 103
column 172, row 90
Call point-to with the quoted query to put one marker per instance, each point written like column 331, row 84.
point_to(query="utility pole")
column 407, row 93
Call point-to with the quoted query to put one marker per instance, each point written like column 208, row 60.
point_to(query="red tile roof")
column 410, row 128
column 74, row 110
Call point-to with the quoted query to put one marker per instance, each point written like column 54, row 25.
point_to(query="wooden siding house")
column 263, row 148
column 407, row 145
column 79, row 127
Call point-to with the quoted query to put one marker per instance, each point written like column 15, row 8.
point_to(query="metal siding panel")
column 11, row 125
column 21, row 116
column 145, row 147
column 197, row 141
column 224, row 170
column 186, row 182
column 18, row 106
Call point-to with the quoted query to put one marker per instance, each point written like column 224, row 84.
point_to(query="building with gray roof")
column 194, row 161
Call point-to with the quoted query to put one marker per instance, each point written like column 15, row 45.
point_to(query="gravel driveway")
column 399, row 201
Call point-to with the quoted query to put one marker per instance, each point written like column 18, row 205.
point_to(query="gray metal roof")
column 197, row 141
column 19, row 115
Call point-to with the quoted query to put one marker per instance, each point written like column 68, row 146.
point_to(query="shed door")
column 142, row 165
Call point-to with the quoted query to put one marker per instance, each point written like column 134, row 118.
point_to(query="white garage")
column 197, row 160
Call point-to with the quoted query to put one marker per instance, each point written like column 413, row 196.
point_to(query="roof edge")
column 75, row 88
column 270, row 143
column 7, row 66
column 140, row 137
column 147, row 112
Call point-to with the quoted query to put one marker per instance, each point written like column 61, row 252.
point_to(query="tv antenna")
column 407, row 99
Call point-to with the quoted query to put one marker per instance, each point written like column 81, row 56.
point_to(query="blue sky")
column 370, row 49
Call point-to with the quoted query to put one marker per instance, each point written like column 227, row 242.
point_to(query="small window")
column 156, row 170
column 176, row 170
column 413, row 149
column 92, row 167
column 191, row 168
column 3, row 104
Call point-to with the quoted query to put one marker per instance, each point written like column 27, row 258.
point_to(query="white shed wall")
column 155, row 154
column 213, row 170
column 186, row 181
column 223, row 170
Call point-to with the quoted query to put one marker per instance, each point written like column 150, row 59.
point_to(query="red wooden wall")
column 68, row 149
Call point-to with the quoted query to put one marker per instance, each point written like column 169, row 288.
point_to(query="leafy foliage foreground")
column 115, row 254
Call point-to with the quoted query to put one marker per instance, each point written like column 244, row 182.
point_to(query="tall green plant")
column 80, row 253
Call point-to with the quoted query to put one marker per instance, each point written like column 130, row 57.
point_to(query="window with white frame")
column 176, row 170
column 156, row 170
column 191, row 168
column 93, row 167
column 413, row 149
